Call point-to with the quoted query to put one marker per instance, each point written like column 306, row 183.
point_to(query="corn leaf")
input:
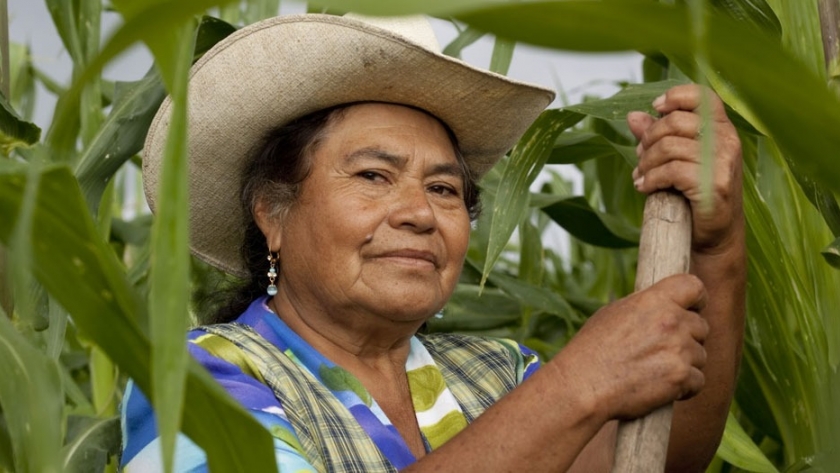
column 124, row 131
column 737, row 448
column 591, row 226
column 22, row 75
column 169, row 279
column 403, row 7
column 90, row 442
column 800, row 26
column 631, row 98
column 14, row 130
column 256, row 10
column 502, row 56
column 81, row 272
column 756, row 12
column 535, row 296
column 63, row 14
column 574, row 147
column 471, row 309
column 786, row 97
column 32, row 402
column 6, row 454
column 832, row 253
column 525, row 163
column 144, row 21
column 464, row 39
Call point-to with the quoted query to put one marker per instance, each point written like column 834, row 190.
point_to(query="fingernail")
column 635, row 173
column 639, row 149
column 638, row 183
column 659, row 101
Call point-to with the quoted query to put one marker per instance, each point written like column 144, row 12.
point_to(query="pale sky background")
column 571, row 74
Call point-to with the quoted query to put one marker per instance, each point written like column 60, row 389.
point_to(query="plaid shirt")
column 322, row 419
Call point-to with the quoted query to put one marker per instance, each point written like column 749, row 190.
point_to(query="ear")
column 269, row 224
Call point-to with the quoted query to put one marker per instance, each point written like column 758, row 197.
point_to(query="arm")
column 616, row 367
column 668, row 342
column 669, row 153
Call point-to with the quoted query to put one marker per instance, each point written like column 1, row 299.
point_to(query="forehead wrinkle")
column 446, row 169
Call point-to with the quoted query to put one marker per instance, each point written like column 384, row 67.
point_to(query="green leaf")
column 531, row 253
column 618, row 195
column 90, row 111
column 81, row 272
column 169, row 279
column 91, row 442
column 785, row 98
column 22, row 75
column 64, row 18
column 464, row 39
column 792, row 334
column 14, row 130
column 143, row 21
column 801, row 34
column 403, row 7
column 632, row 98
column 471, row 309
column 6, row 455
column 535, row 296
column 257, row 10
column 755, row 12
column 831, row 253
column 588, row 225
column 737, row 448
column 574, row 147
column 124, row 131
column 501, row 56
column 32, row 401
column 524, row 165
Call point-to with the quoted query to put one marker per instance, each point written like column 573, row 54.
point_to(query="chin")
column 410, row 310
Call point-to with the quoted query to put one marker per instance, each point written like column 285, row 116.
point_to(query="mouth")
column 412, row 257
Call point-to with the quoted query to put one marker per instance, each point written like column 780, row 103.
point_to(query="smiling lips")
column 411, row 256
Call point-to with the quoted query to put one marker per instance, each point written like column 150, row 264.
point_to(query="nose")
column 412, row 210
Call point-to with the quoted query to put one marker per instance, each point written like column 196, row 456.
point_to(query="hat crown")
column 415, row 28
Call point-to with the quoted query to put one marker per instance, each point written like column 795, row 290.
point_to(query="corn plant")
column 90, row 298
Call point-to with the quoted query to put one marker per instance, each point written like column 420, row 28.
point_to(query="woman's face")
column 380, row 225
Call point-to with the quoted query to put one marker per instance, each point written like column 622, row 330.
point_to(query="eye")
column 443, row 189
column 371, row 175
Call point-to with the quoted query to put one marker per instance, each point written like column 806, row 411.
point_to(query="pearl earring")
column 272, row 274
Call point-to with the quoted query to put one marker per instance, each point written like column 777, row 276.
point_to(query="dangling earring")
column 272, row 274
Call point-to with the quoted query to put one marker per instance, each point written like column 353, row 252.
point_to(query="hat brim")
column 272, row 72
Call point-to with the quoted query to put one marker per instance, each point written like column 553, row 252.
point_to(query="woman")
column 358, row 147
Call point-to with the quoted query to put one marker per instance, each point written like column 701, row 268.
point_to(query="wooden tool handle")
column 664, row 250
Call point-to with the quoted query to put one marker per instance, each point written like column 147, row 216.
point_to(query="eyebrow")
column 450, row 169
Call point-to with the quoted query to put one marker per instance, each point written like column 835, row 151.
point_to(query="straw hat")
column 274, row 71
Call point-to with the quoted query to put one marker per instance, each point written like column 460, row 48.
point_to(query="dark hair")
column 278, row 167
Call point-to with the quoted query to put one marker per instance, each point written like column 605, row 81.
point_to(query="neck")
column 351, row 339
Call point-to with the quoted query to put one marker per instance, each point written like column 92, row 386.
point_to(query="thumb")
column 639, row 122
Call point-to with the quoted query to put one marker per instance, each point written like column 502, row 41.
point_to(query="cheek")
column 458, row 239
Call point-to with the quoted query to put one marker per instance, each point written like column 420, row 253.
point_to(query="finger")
column 678, row 123
column 698, row 327
column 677, row 174
column 693, row 384
column 639, row 122
column 669, row 148
column 686, row 290
column 683, row 176
column 689, row 97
